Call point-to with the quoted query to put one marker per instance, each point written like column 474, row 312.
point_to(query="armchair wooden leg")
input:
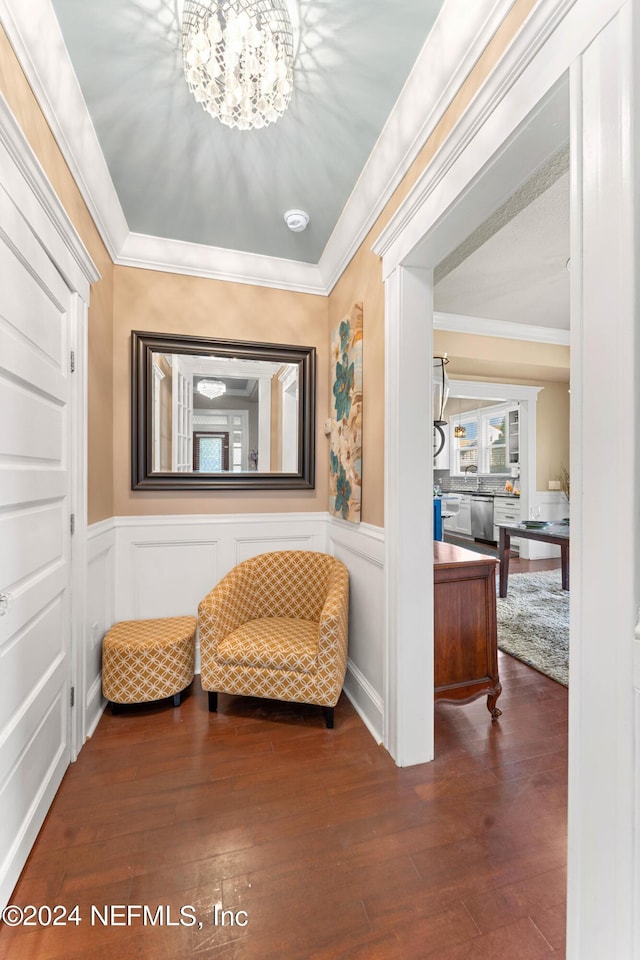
column 177, row 697
column 213, row 701
column 328, row 717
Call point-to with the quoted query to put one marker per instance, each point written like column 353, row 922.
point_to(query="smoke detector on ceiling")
column 296, row 220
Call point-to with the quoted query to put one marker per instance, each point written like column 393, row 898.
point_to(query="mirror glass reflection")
column 223, row 415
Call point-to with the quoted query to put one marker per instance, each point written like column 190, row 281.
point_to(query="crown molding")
column 489, row 390
column 34, row 33
column 505, row 329
column 458, row 38
column 15, row 143
column 451, row 50
column 218, row 263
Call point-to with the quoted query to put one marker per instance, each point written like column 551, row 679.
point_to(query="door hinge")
column 72, row 698
column 72, row 523
column 72, row 361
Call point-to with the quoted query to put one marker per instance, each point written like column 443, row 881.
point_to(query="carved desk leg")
column 491, row 702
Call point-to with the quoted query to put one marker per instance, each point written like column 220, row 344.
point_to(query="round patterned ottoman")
column 145, row 660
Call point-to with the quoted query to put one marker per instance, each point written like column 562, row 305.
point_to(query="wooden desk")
column 557, row 533
column 465, row 626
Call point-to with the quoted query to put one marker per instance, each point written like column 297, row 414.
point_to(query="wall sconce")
column 440, row 396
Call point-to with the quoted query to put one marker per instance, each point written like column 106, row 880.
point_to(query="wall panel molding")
column 361, row 549
column 145, row 567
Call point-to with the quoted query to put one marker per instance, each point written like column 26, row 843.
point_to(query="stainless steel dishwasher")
column 482, row 517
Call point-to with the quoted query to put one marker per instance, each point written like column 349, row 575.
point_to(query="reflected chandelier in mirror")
column 221, row 414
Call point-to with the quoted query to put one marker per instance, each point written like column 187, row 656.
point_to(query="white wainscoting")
column 166, row 565
column 142, row 567
column 361, row 549
column 100, row 614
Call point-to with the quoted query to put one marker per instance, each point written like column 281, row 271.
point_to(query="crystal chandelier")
column 238, row 59
column 211, row 388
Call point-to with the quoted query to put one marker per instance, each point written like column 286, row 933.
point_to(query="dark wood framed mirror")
column 211, row 414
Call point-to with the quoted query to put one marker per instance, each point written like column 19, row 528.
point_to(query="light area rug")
column 533, row 622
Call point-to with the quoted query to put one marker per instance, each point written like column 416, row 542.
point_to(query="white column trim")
column 408, row 695
column 604, row 811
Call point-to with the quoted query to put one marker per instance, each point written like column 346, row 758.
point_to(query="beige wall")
column 552, row 453
column 362, row 279
column 362, row 283
column 167, row 303
column 17, row 92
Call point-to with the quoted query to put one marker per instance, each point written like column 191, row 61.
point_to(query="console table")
column 465, row 626
column 557, row 533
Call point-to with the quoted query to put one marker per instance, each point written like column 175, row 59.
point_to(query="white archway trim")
column 603, row 909
column 596, row 40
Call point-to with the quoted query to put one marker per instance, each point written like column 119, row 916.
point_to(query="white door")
column 35, row 453
column 182, row 419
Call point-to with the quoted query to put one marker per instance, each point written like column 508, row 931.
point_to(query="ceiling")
column 181, row 174
column 171, row 188
column 514, row 268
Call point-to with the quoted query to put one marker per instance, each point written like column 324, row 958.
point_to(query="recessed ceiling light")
column 296, row 220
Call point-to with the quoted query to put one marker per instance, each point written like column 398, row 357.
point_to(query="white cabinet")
column 460, row 521
column 450, row 508
column 513, row 437
column 505, row 510
column 464, row 516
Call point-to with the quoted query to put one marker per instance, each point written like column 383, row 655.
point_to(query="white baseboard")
column 366, row 701
column 95, row 705
column 99, row 615
column 361, row 549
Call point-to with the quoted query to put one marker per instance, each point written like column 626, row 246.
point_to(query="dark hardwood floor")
column 331, row 851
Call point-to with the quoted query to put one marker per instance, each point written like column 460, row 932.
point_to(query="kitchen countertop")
column 484, row 493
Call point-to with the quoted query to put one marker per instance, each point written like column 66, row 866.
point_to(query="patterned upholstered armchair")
column 276, row 627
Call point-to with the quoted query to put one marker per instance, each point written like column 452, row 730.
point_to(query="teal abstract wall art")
column 345, row 457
